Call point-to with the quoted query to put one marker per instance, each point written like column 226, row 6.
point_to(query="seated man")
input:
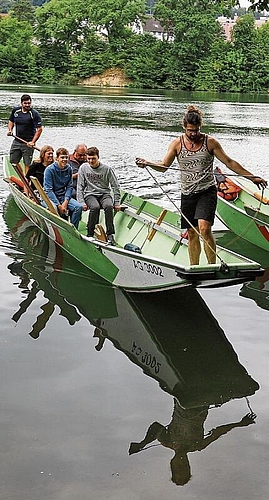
column 95, row 180
column 58, row 185
column 75, row 160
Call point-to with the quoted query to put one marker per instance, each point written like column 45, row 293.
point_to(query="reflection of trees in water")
column 185, row 434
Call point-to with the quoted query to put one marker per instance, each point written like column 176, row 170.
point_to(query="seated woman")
column 38, row 166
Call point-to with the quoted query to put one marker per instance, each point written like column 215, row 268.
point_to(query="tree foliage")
column 17, row 54
column 67, row 40
column 23, row 11
column 63, row 22
column 115, row 16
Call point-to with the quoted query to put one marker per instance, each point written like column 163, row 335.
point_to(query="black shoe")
column 89, row 235
column 110, row 239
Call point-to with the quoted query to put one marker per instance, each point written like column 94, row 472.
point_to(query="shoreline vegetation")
column 100, row 43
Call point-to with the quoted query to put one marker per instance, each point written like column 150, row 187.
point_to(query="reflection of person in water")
column 99, row 333
column 16, row 269
column 185, row 434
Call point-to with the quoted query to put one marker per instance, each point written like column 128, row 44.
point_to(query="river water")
column 87, row 370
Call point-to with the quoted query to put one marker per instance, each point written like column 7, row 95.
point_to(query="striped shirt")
column 196, row 168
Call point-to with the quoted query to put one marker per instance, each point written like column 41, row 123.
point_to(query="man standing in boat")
column 28, row 124
column 195, row 153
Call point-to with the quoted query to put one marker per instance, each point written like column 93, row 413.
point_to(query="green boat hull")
column 163, row 262
column 247, row 216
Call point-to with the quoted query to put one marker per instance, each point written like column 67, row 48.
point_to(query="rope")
column 225, row 267
column 249, row 407
column 249, row 176
column 237, row 237
column 149, row 225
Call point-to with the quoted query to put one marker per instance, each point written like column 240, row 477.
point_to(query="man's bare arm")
column 233, row 165
column 10, row 127
column 36, row 136
column 165, row 163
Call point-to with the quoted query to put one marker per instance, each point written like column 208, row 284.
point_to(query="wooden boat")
column 197, row 366
column 162, row 260
column 248, row 214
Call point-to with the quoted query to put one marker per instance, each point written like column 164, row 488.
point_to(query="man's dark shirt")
column 26, row 123
column 75, row 166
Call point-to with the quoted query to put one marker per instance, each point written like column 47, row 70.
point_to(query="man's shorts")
column 201, row 205
column 20, row 151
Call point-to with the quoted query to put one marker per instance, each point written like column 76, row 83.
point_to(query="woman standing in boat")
column 195, row 153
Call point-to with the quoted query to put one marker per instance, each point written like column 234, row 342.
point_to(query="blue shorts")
column 196, row 206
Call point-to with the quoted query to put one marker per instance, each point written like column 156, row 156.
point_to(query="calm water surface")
column 87, row 370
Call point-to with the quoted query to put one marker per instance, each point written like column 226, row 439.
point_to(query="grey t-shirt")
column 97, row 181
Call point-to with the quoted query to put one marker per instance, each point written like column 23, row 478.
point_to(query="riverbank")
column 113, row 77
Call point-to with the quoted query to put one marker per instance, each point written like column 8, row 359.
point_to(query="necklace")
column 192, row 143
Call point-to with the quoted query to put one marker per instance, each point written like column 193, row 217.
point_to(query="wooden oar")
column 158, row 223
column 261, row 198
column 24, row 142
column 25, row 183
column 43, row 195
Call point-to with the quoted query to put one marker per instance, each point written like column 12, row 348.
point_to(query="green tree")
column 64, row 22
column 232, row 70
column 146, row 61
column 195, row 32
column 208, row 73
column 259, row 4
column 258, row 76
column 17, row 53
column 165, row 12
column 115, row 16
column 23, row 10
column 244, row 33
column 244, row 40
column 61, row 27
column 95, row 56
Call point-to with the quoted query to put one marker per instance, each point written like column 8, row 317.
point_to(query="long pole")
column 26, row 185
column 24, row 142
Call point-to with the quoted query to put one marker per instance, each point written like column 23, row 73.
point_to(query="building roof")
column 152, row 26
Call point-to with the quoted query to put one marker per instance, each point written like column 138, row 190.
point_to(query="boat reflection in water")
column 172, row 336
column 257, row 290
